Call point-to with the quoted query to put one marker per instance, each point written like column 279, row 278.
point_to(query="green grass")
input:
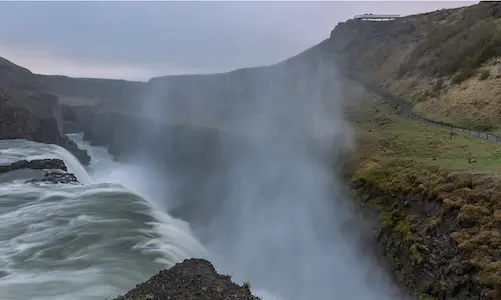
column 485, row 125
column 398, row 137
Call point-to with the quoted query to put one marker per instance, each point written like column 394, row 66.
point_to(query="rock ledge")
column 36, row 164
column 58, row 175
column 193, row 279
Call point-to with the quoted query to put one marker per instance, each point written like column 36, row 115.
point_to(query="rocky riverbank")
column 193, row 279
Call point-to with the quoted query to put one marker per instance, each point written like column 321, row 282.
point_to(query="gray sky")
column 138, row 40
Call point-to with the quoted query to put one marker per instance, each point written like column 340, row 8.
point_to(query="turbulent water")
column 101, row 238
column 88, row 241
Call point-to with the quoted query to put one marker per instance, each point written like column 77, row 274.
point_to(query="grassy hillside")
column 443, row 199
column 447, row 63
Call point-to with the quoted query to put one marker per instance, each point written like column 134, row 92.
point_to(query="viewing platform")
column 373, row 17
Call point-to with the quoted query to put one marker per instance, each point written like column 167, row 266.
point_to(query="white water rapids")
column 88, row 241
column 99, row 239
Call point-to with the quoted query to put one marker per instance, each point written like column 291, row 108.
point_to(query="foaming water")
column 14, row 150
column 89, row 241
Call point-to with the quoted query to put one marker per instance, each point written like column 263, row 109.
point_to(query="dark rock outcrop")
column 56, row 178
column 194, row 279
column 36, row 164
column 415, row 240
column 43, row 164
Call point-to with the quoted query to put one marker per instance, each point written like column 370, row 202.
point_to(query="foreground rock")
column 193, row 279
column 36, row 164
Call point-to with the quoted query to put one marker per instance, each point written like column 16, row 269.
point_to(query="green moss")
column 426, row 297
column 417, row 257
column 473, row 213
column 451, row 204
column 404, row 227
column 434, row 222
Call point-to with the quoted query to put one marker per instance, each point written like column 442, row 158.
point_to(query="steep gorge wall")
column 29, row 112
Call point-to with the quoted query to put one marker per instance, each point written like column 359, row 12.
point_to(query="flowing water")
column 88, row 241
column 101, row 238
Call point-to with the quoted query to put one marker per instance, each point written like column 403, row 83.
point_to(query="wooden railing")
column 375, row 17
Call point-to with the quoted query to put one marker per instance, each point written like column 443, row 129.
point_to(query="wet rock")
column 36, row 164
column 56, row 178
column 415, row 238
column 82, row 155
column 194, row 279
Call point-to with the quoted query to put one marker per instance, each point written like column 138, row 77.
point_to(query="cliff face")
column 90, row 91
column 28, row 112
column 446, row 63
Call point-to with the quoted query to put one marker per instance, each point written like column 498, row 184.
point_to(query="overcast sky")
column 138, row 40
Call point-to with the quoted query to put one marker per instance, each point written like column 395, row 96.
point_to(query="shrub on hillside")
column 459, row 47
column 484, row 74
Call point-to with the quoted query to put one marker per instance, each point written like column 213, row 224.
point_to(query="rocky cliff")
column 30, row 112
